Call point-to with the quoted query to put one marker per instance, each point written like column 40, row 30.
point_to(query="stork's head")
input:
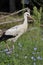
column 27, row 15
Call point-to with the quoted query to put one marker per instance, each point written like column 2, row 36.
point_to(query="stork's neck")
column 25, row 19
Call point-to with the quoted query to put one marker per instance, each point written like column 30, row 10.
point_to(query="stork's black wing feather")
column 5, row 37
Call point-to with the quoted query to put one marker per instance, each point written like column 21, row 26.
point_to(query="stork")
column 16, row 31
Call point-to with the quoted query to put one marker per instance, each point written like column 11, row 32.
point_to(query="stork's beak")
column 30, row 18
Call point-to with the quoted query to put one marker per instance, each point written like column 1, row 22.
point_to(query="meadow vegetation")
column 28, row 49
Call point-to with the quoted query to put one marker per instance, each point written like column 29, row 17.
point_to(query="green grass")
column 29, row 45
column 23, row 49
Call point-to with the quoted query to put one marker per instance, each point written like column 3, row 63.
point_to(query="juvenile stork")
column 16, row 31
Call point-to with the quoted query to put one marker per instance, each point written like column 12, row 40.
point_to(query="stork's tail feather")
column 5, row 37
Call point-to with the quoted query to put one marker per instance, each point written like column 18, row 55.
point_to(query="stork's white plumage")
column 18, row 30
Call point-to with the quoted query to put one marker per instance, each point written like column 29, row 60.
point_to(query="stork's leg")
column 14, row 39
